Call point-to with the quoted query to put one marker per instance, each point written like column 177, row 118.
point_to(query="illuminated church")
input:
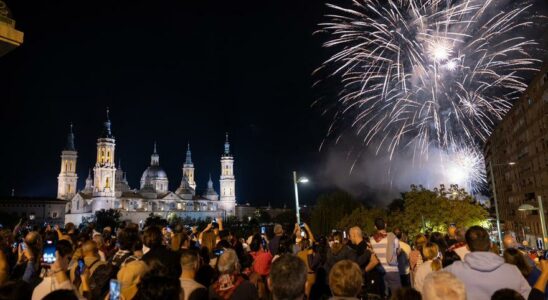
column 107, row 187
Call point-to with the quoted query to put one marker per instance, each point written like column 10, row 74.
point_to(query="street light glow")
column 303, row 180
column 526, row 207
column 511, row 163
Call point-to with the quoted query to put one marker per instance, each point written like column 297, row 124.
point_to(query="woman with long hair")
column 432, row 263
column 415, row 257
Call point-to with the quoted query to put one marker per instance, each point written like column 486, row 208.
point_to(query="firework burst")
column 421, row 73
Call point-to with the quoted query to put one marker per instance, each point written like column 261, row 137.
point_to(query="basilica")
column 107, row 187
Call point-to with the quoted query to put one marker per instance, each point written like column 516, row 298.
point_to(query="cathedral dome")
column 153, row 173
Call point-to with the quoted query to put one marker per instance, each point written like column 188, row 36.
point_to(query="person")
column 449, row 257
column 432, row 263
column 451, row 236
column 28, row 258
column 93, row 283
column 415, row 257
column 406, row 293
column 509, row 241
column 287, row 278
column 438, row 239
column 261, row 257
column 443, row 285
column 61, row 295
column 386, row 247
column 345, row 280
column 57, row 279
column 153, row 239
column 507, row 294
column 367, row 262
column 514, row 257
column 190, row 262
column 125, row 238
column 337, row 252
column 484, row 272
column 231, row 285
column 155, row 286
column 275, row 241
column 403, row 259
column 459, row 247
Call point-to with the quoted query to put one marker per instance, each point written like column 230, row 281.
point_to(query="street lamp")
column 540, row 208
column 295, row 183
column 511, row 163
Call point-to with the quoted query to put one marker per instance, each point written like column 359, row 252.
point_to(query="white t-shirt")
column 48, row 285
column 422, row 271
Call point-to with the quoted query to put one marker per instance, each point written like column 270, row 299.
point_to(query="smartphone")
column 263, row 230
column 218, row 252
column 114, row 290
column 49, row 253
column 303, row 234
column 81, row 267
column 344, row 234
column 23, row 246
column 14, row 245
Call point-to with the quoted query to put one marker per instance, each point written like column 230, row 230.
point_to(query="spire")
column 227, row 145
column 188, row 160
column 107, row 133
column 155, row 158
column 209, row 182
column 70, row 140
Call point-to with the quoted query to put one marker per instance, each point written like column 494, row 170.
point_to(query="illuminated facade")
column 107, row 187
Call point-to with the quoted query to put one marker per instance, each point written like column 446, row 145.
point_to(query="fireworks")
column 465, row 167
column 426, row 72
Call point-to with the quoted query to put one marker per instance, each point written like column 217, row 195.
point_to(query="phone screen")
column 81, row 266
column 49, row 253
column 23, row 246
column 218, row 252
column 263, row 230
column 114, row 289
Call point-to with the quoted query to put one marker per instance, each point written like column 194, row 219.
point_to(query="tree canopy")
column 330, row 209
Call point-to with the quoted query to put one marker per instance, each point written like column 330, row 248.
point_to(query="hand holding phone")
column 114, row 290
column 81, row 267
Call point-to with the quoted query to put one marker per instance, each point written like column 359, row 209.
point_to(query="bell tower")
column 105, row 170
column 188, row 169
column 228, row 181
column 67, row 179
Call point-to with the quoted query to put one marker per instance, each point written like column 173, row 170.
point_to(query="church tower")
column 66, row 182
column 228, row 182
column 188, row 169
column 104, row 170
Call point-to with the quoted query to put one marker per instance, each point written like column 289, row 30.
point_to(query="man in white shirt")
column 387, row 246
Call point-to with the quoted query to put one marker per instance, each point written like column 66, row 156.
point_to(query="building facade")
column 35, row 210
column 517, row 152
column 10, row 38
column 107, row 186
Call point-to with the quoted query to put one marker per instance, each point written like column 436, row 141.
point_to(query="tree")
column 262, row 216
column 104, row 218
column 434, row 210
column 362, row 217
column 287, row 218
column 330, row 209
column 155, row 220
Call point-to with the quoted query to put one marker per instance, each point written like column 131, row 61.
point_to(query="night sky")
column 172, row 72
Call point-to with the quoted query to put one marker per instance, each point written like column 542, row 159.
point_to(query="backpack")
column 392, row 249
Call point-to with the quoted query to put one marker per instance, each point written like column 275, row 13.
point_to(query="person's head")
column 156, row 287
column 356, row 235
column 152, row 237
column 70, row 228
column 399, row 234
column 63, row 249
column 449, row 257
column 209, row 240
column 345, row 279
column 33, row 240
column 461, row 232
column 284, row 245
column 337, row 244
column 406, row 294
column 514, row 257
column 509, row 241
column 438, row 239
column 380, row 224
column 190, row 261
column 256, row 242
column 278, row 229
column 431, row 251
column 61, row 295
column 228, row 263
column 507, row 294
column 477, row 239
column 89, row 249
column 287, row 278
column 443, row 285
column 125, row 240
column 98, row 239
column 420, row 241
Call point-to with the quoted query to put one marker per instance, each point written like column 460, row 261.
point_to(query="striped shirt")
column 380, row 250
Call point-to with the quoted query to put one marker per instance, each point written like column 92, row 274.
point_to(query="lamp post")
column 495, row 199
column 295, row 183
column 540, row 208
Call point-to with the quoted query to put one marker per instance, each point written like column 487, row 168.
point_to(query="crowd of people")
column 182, row 262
